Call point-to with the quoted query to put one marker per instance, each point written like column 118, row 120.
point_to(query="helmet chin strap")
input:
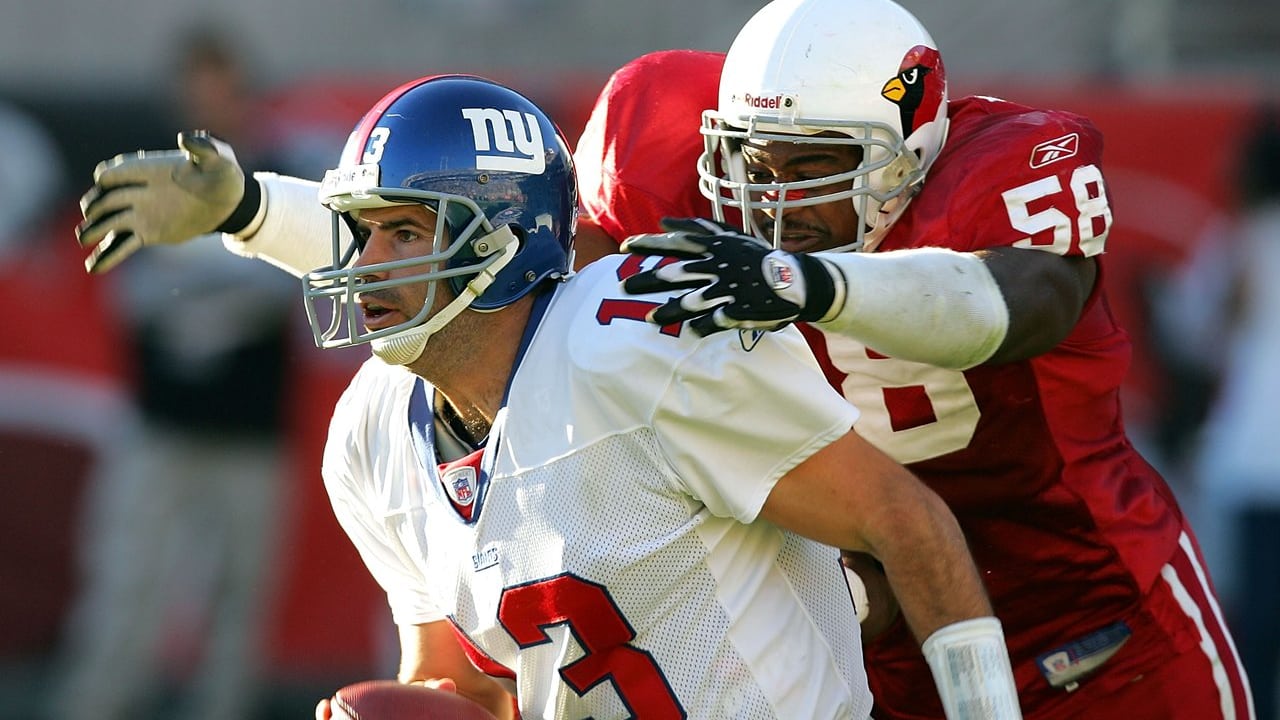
column 407, row 346
column 898, row 172
column 890, row 211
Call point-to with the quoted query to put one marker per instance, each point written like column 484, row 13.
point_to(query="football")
column 391, row 700
column 882, row 605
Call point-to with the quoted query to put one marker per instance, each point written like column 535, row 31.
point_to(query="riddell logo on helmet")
column 767, row 102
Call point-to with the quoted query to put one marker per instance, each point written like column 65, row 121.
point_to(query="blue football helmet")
column 499, row 177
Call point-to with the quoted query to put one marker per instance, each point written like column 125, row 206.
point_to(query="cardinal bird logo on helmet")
column 917, row 88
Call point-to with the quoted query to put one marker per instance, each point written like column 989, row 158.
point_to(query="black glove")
column 735, row 281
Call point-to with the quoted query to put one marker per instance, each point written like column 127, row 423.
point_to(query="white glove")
column 162, row 197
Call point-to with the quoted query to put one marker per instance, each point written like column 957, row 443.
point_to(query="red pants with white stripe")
column 1199, row 677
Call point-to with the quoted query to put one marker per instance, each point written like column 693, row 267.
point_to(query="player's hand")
column 734, row 281
column 158, row 197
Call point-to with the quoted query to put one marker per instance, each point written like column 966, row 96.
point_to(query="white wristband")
column 970, row 666
column 292, row 230
column 927, row 305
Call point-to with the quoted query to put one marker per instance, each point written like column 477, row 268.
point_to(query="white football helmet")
column 866, row 69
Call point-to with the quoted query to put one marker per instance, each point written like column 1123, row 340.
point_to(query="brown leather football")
column 391, row 700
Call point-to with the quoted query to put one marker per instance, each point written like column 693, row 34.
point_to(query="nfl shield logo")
column 780, row 274
column 1057, row 662
column 460, row 483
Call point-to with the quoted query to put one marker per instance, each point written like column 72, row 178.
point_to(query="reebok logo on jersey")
column 749, row 338
column 1051, row 151
column 506, row 140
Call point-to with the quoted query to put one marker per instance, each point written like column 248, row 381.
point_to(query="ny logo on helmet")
column 506, row 140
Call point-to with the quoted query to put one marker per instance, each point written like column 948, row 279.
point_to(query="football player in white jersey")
column 601, row 517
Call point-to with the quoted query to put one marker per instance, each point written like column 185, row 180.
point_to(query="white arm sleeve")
column 927, row 305
column 970, row 665
column 292, row 230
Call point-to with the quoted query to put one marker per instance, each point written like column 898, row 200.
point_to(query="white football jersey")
column 613, row 560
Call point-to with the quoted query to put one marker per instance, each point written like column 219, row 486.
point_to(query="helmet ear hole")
column 902, row 172
column 477, row 250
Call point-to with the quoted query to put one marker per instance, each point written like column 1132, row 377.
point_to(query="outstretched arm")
column 931, row 305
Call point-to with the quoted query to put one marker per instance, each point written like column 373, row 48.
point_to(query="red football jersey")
column 637, row 155
column 1068, row 523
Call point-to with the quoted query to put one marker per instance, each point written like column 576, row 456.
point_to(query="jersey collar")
column 422, row 429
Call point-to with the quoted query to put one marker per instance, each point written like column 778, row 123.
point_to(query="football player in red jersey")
column 971, row 327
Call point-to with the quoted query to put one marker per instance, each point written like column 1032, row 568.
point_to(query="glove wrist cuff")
column 824, row 292
column 246, row 210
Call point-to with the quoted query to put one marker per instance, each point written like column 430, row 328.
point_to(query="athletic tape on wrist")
column 971, row 669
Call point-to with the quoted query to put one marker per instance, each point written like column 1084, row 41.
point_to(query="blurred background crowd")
column 167, row 549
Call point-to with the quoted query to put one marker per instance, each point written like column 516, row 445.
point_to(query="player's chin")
column 882, row 605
